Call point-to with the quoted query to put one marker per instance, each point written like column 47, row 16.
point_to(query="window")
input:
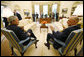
column 36, row 8
column 54, row 9
column 2, row 7
column 45, row 9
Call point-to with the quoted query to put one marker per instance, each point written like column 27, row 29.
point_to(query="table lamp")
column 7, row 12
column 79, row 10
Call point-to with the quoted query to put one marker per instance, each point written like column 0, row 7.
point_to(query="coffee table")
column 43, row 26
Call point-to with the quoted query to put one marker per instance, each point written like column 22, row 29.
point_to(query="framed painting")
column 64, row 10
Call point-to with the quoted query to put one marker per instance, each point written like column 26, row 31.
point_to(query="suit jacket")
column 57, row 14
column 18, row 15
column 41, row 16
column 37, row 16
column 50, row 15
column 6, row 22
column 64, row 35
column 18, row 31
column 53, row 15
column 33, row 16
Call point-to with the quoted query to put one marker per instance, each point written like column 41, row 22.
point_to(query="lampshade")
column 79, row 10
column 7, row 12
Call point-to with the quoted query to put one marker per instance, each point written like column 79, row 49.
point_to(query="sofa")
column 60, row 25
column 28, row 24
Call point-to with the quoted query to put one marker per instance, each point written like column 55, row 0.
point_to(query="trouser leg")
column 49, row 36
column 32, row 34
column 25, row 43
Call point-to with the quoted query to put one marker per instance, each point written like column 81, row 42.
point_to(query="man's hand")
column 29, row 33
column 22, row 27
column 52, row 28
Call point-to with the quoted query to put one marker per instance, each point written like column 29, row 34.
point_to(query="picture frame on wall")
column 26, row 12
column 64, row 11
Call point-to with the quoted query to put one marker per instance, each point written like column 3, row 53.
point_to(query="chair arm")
column 22, row 41
column 60, row 42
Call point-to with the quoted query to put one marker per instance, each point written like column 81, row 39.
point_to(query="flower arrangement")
column 44, row 22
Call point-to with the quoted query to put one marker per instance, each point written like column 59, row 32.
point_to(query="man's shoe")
column 48, row 45
column 37, row 40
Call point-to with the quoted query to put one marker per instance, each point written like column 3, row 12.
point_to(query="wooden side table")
column 43, row 26
column 45, row 19
column 27, row 17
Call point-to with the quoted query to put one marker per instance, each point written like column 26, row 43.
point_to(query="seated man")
column 62, row 36
column 13, row 20
column 71, row 19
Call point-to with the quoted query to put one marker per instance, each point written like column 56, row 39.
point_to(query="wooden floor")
column 32, row 51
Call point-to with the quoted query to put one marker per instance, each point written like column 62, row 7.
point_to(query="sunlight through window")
column 45, row 9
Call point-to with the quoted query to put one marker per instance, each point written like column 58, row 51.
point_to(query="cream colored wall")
column 67, row 4
column 20, row 6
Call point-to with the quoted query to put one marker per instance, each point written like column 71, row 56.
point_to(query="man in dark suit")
column 5, row 21
column 18, row 15
column 41, row 15
column 53, row 16
column 19, row 31
column 50, row 15
column 46, row 15
column 62, row 36
column 57, row 15
column 33, row 16
column 37, row 15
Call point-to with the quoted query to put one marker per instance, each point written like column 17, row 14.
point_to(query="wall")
column 65, row 4
column 20, row 6
column 68, row 5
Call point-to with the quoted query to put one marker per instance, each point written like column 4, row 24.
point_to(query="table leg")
column 40, row 30
column 47, row 30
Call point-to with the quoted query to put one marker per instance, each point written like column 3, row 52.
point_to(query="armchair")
column 72, row 41
column 14, row 42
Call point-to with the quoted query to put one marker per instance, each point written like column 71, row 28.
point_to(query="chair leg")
column 12, row 51
column 80, row 42
column 63, row 55
column 75, row 51
column 21, row 53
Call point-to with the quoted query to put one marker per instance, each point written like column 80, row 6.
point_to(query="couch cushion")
column 64, row 22
column 25, row 22
column 29, row 26
column 58, row 26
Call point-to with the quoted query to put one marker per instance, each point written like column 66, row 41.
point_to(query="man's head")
column 14, row 11
column 13, row 20
column 73, row 20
